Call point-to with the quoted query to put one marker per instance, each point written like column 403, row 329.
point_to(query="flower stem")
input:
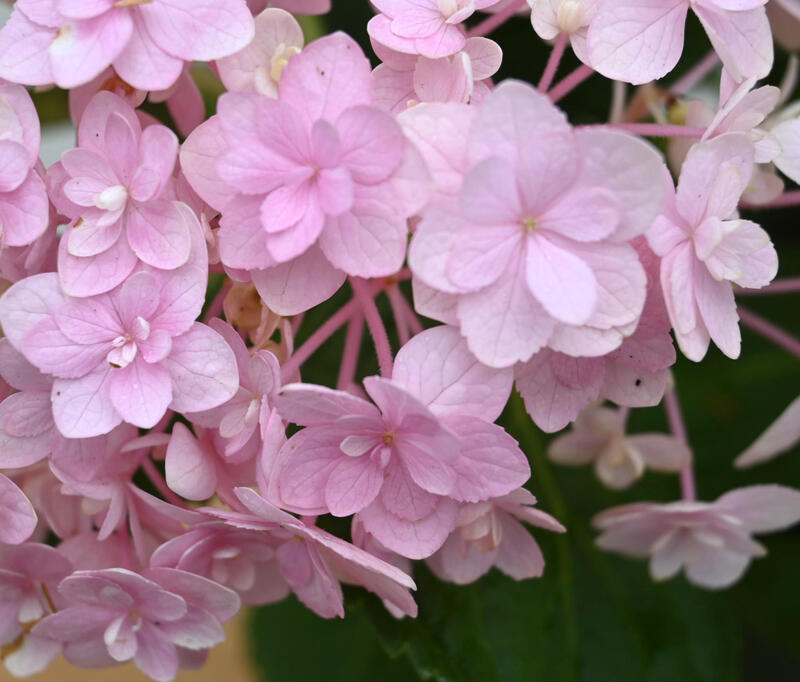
column 375, row 324
column 769, row 331
column 572, row 81
column 790, row 285
column 695, row 74
column 652, row 129
column 676, row 425
column 495, row 20
column 215, row 308
column 352, row 347
column 785, row 200
column 160, row 484
column 394, row 295
column 552, row 63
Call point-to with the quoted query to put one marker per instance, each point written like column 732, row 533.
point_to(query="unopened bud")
column 571, row 16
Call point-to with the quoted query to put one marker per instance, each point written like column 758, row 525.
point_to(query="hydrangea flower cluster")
column 557, row 260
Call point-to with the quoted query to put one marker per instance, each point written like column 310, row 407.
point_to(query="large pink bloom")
column 116, row 188
column 123, row 356
column 431, row 28
column 639, row 41
column 158, row 619
column 527, row 247
column 313, row 185
column 24, row 208
column 705, row 249
column 403, row 464
column 709, row 540
column 69, row 42
column 314, row 562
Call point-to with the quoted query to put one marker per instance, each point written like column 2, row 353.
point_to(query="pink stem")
column 552, row 63
column 572, row 81
column 411, row 317
column 652, row 129
column 400, row 319
column 678, row 429
column 696, row 74
column 790, row 285
column 328, row 329
column 375, row 324
column 352, row 347
column 297, row 320
column 495, row 20
column 160, row 484
column 769, row 331
column 785, row 200
column 215, row 308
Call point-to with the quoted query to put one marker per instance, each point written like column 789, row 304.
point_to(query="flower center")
column 571, row 16
column 529, row 224
column 388, row 439
column 124, row 347
column 112, row 198
column 447, row 7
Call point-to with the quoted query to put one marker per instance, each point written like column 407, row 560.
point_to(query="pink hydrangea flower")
column 115, row 187
column 147, row 42
column 532, row 251
column 324, row 189
column 710, row 541
column 557, row 387
column 17, row 516
column 705, row 249
column 313, row 562
column 405, row 80
column 598, row 437
column 640, row 42
column 431, row 28
column 403, row 464
column 157, row 619
column 24, row 208
column 29, row 576
column 491, row 534
column 123, row 356
column 259, row 66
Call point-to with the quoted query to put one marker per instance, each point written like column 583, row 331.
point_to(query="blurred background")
column 593, row 617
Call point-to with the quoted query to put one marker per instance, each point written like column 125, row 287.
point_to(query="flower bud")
column 571, row 16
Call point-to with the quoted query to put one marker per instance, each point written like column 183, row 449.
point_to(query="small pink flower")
column 24, row 208
column 70, row 42
column 491, row 534
column 115, row 615
column 29, row 575
column 710, row 541
column 570, row 17
column 705, row 249
column 598, row 436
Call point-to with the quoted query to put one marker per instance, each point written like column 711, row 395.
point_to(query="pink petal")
column 781, row 435
column 23, row 50
column 352, row 485
column 716, row 304
column 309, row 405
column 17, row 516
column 141, row 393
column 24, row 212
column 159, row 233
column 144, row 64
column 519, row 555
column 198, row 156
column 82, row 407
column 372, row 144
column 762, row 508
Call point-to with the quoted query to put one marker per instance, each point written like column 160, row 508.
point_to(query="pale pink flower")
column 491, row 534
column 532, row 251
column 123, row 356
column 598, row 437
column 314, row 562
column 570, row 17
column 639, row 41
column 259, row 66
column 70, row 42
column 782, row 435
column 24, row 208
column 705, row 249
column 313, row 185
column 29, row 576
column 154, row 619
column 557, row 387
column 402, row 464
column 114, row 186
column 710, row 541
column 405, row 80
column 431, row 28
column 17, row 516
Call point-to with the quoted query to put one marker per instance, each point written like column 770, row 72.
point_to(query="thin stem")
column 770, row 331
column 572, row 81
column 652, row 129
column 790, row 285
column 785, row 200
column 160, row 484
column 394, row 295
column 496, row 20
column 552, row 63
column 696, row 74
column 411, row 316
column 375, row 324
column 352, row 347
column 676, row 425
column 215, row 308
column 328, row 329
